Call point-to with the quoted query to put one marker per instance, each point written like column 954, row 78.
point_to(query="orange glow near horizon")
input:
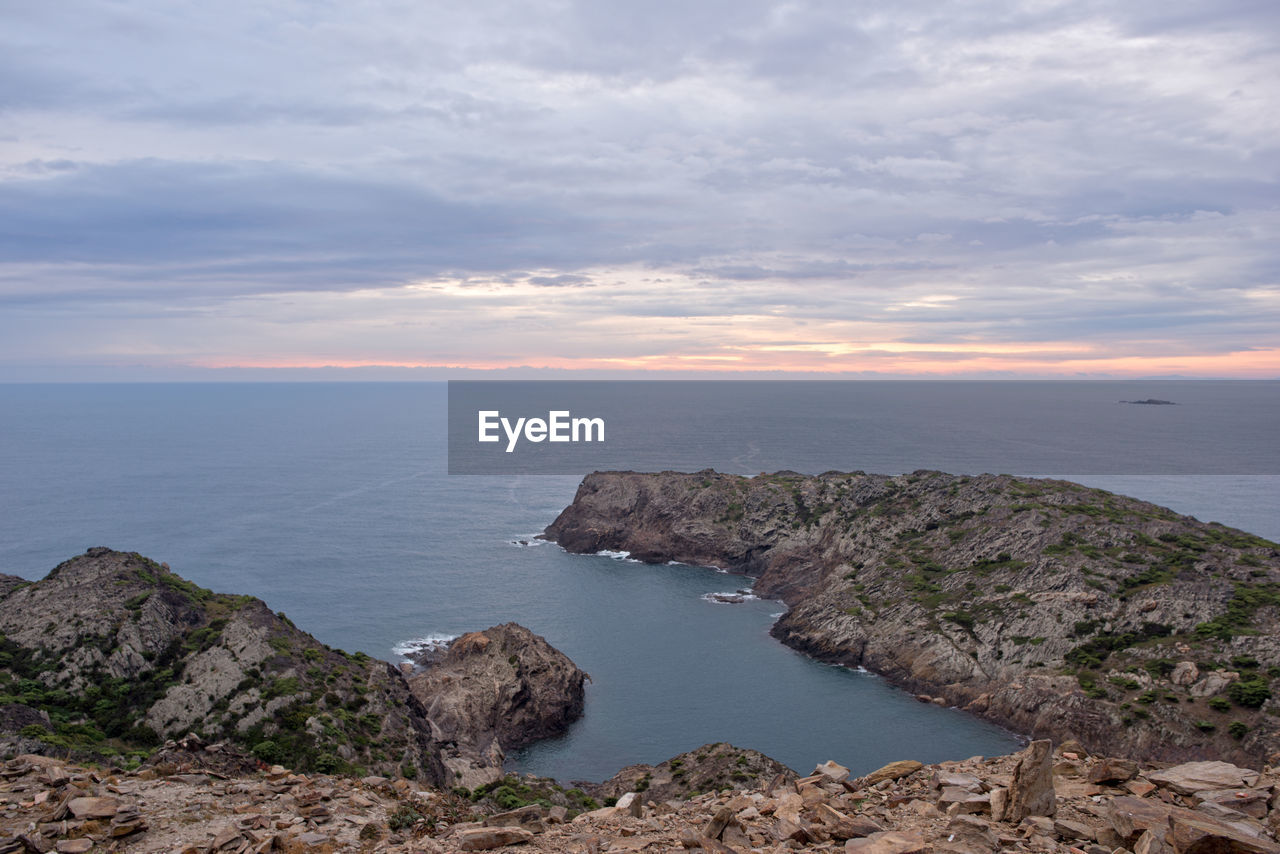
column 921, row 360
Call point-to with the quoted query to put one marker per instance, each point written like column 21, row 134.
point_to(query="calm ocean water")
column 330, row 501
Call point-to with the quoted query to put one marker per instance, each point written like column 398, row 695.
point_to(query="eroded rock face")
column 144, row 655
column 138, row 653
column 1049, row 607
column 494, row 691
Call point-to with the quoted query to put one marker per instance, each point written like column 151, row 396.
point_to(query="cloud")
column 1066, row 171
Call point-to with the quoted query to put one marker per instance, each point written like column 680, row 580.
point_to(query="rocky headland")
column 111, row 654
column 495, row 691
column 1052, row 608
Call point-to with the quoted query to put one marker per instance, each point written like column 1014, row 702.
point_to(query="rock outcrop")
column 494, row 691
column 113, row 652
column 183, row 804
column 1049, row 607
column 710, row 768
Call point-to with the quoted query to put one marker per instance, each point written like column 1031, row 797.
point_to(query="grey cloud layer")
column 798, row 158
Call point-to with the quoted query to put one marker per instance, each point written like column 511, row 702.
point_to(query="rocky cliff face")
column 113, row 652
column 494, row 691
column 1047, row 606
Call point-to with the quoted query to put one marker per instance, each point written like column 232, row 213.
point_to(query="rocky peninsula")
column 1052, row 608
column 111, row 654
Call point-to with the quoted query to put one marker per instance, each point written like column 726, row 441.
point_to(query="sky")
column 368, row 188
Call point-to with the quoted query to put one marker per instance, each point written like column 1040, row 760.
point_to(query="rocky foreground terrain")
column 1046, row 606
column 112, row 654
column 1037, row 801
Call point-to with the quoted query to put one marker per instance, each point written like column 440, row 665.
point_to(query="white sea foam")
column 417, row 646
column 617, row 555
column 730, row 597
column 528, row 542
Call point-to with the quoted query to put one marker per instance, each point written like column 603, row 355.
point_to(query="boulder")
column 1192, row 777
column 956, row 801
column 1113, row 771
column 968, row 835
column 1031, row 790
column 1131, row 816
column 945, row 779
column 1195, row 834
column 1185, row 673
column 832, row 771
column 892, row 771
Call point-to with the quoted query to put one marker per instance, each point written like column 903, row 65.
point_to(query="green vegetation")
column 1245, row 601
column 1094, row 652
column 403, row 818
column 1251, row 693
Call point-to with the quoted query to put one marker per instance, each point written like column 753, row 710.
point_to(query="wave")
column 617, row 555
column 416, row 646
column 731, row 597
column 527, row 542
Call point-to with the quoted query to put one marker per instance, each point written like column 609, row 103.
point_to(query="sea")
column 331, row 502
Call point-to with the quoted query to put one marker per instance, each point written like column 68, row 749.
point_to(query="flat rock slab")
column 1192, row 834
column 951, row 779
column 889, row 842
column 1131, row 816
column 86, row 808
column 488, row 838
column 1192, row 777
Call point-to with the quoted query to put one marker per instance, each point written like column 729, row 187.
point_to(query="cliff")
column 495, row 691
column 112, row 653
column 1049, row 607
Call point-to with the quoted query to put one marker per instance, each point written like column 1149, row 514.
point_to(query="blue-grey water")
column 330, row 501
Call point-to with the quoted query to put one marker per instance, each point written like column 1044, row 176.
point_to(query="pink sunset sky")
column 993, row 189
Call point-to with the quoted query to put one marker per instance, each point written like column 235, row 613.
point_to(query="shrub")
column 1251, row 693
column 327, row 763
column 1206, row 726
column 268, row 751
column 404, row 817
column 1237, row 729
column 1220, row 704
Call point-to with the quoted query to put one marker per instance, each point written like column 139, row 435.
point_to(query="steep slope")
column 495, row 691
column 1044, row 605
column 113, row 652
